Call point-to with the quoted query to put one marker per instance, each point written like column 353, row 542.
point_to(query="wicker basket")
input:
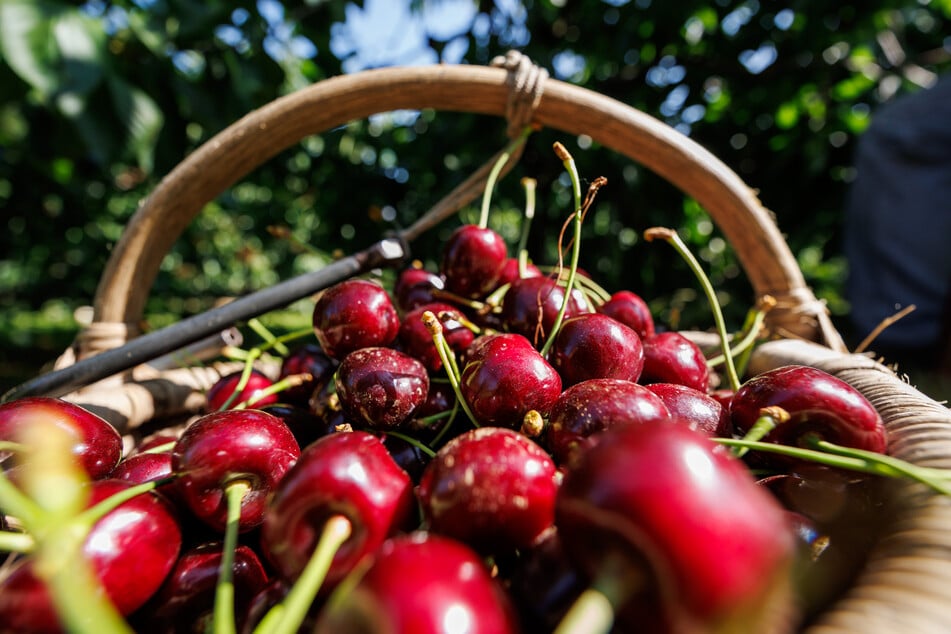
column 905, row 585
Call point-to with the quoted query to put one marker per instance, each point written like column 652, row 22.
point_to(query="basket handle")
column 231, row 154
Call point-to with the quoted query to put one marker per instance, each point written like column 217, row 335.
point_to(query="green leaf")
column 54, row 48
column 140, row 117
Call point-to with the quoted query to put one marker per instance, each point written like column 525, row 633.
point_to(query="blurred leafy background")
column 100, row 99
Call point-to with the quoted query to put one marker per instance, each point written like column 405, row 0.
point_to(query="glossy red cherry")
column 703, row 412
column 669, row 357
column 222, row 448
column 380, row 388
column 310, row 359
column 492, row 488
column 416, row 286
column 630, row 309
column 223, row 389
column 96, row 444
column 185, row 602
column 818, row 404
column 531, row 305
column 504, row 377
column 511, row 272
column 665, row 501
column 131, row 550
column 354, row 314
column 349, row 474
column 595, row 346
column 472, row 261
column 589, row 407
column 422, row 583
column 415, row 339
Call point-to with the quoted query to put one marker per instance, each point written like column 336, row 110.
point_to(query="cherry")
column 630, row 309
column 594, row 405
column 310, row 359
column 186, row 599
column 131, row 549
column 595, row 346
column 492, row 488
column 504, row 377
column 669, row 357
column 221, row 450
column 511, row 271
column 531, row 306
column 416, row 286
column 379, row 388
column 349, row 474
column 415, row 339
column 819, row 405
column 425, row 584
column 646, row 506
column 95, row 443
column 472, row 261
column 306, row 425
column 222, row 391
column 354, row 314
column 148, row 467
column 703, row 412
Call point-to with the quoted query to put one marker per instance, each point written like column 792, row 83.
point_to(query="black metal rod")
column 151, row 345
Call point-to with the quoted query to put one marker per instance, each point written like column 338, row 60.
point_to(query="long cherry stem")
column 504, row 157
column 670, row 236
column 223, row 619
column 448, row 359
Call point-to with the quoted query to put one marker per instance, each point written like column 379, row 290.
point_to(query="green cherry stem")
column 99, row 510
column 289, row 381
column 749, row 335
column 504, row 157
column 16, row 503
column 253, row 354
column 448, row 359
column 16, row 542
column 265, row 334
column 529, row 185
column 770, row 417
column 412, row 441
column 294, row 607
column 671, row 237
column 223, row 619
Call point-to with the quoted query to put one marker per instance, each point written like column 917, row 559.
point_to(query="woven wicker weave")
column 906, row 585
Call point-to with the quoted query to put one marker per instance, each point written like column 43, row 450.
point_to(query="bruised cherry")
column 379, row 388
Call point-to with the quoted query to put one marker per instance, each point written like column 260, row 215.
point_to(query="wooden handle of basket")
column 249, row 142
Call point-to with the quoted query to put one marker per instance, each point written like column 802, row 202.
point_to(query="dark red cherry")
column 222, row 448
column 595, row 346
column 310, row 359
column 350, row 474
column 665, row 501
column 185, row 602
column 544, row 583
column 592, row 406
column 492, row 488
column 222, row 390
column 531, row 305
column 131, row 549
column 380, row 388
column 703, row 412
column 148, row 467
column 425, row 584
column 818, row 404
column 354, row 314
column 415, row 339
column 669, row 357
column 510, row 271
column 306, row 425
column 96, row 444
column 416, row 286
column 472, row 261
column 504, row 377
column 630, row 309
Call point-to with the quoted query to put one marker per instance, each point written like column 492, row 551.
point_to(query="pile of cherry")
column 466, row 451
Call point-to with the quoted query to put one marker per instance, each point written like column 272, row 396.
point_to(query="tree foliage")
column 99, row 101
